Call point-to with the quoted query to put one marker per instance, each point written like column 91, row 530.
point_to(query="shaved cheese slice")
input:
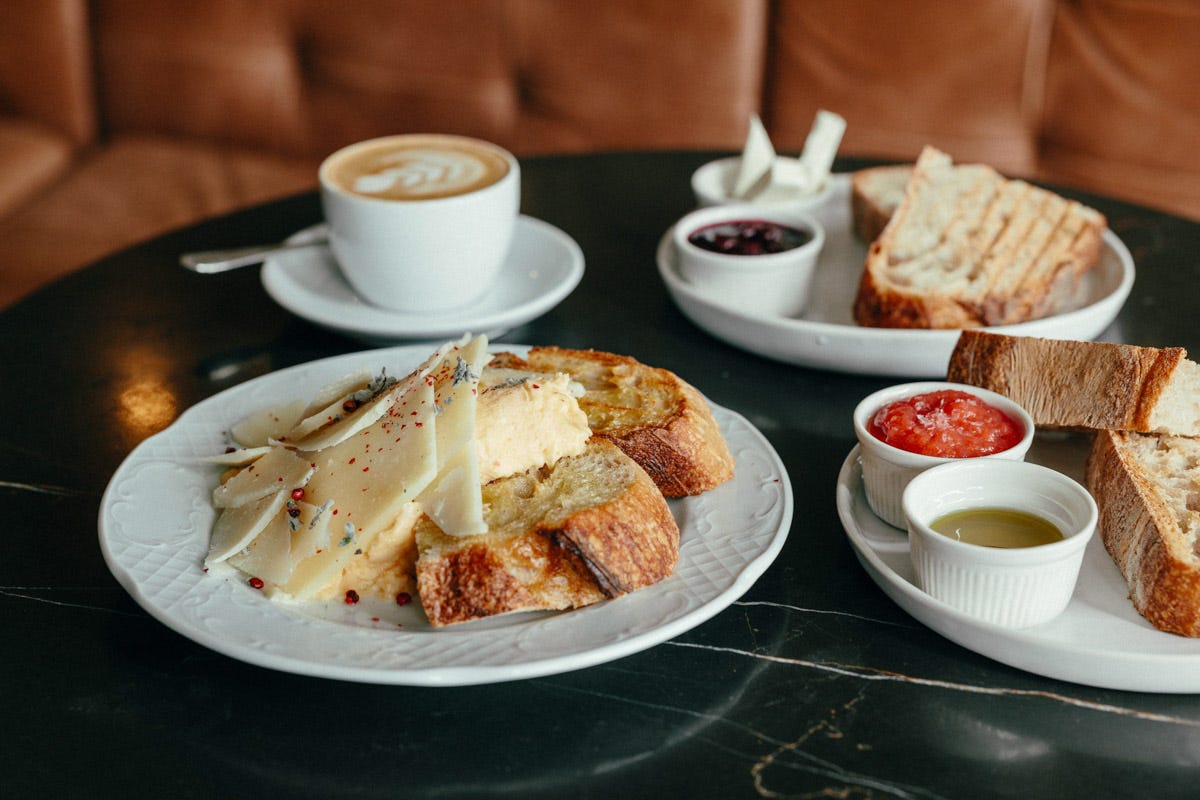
column 278, row 469
column 328, row 415
column 268, row 556
column 261, row 427
column 236, row 527
column 238, row 458
column 386, row 568
column 337, row 391
column 456, row 388
column 342, row 429
column 330, row 409
column 369, row 477
column 311, row 533
column 455, row 501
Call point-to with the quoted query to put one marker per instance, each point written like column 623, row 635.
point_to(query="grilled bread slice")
column 1084, row 385
column 657, row 418
column 1147, row 489
column 967, row 248
column 587, row 528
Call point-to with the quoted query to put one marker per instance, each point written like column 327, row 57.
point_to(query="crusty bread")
column 656, row 417
column 875, row 192
column 1147, row 489
column 1084, row 385
column 587, row 528
column 967, row 248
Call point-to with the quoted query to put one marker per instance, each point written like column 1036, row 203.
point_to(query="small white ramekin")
column 712, row 184
column 774, row 284
column 887, row 469
column 1013, row 587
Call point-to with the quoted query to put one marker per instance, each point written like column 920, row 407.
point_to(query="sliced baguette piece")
column 967, row 248
column 875, row 193
column 661, row 421
column 1147, row 489
column 587, row 528
column 1084, row 385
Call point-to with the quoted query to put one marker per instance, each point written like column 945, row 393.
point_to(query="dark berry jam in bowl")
column 754, row 259
column 904, row 430
column 749, row 237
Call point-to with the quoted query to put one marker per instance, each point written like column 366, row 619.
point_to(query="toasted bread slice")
column 967, row 248
column 1147, row 489
column 587, row 528
column 875, row 193
column 1084, row 385
column 656, row 417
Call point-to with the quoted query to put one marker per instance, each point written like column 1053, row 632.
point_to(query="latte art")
column 420, row 173
column 417, row 168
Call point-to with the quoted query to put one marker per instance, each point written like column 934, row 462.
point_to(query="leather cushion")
column 31, row 158
column 306, row 77
column 118, row 197
column 963, row 89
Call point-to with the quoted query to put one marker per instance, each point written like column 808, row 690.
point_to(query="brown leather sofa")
column 120, row 119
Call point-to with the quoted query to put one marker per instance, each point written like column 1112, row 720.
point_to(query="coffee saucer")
column 543, row 266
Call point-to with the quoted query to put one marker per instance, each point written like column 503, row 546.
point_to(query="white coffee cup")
column 421, row 222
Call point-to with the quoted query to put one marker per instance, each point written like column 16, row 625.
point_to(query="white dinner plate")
column 156, row 515
column 1099, row 640
column 825, row 336
column 543, row 266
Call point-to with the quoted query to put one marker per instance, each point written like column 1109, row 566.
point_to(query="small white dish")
column 1099, row 640
column 887, row 470
column 543, row 266
column 765, row 283
column 1015, row 587
column 712, row 184
column 825, row 336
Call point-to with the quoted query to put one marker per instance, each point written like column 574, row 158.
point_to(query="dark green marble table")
column 812, row 684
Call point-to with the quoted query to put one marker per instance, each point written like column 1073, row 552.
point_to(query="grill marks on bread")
column 967, row 248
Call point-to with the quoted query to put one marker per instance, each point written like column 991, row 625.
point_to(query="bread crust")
column 1142, row 536
column 563, row 560
column 1068, row 384
column 661, row 421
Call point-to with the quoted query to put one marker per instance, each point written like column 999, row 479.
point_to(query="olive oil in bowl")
column 997, row 527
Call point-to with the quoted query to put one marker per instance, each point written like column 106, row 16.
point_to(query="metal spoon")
column 209, row 262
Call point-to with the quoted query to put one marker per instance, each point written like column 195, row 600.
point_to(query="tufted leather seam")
column 1037, row 59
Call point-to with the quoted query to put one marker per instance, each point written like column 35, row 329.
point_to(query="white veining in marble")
column 873, row 674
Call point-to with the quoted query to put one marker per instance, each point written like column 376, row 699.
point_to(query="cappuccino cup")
column 420, row 222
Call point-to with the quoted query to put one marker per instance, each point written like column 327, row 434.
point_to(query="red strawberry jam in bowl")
column 906, row 429
column 946, row 422
column 754, row 259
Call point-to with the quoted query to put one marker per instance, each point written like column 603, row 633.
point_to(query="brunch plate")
column 543, row 266
column 825, row 336
column 1099, row 640
column 156, row 515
